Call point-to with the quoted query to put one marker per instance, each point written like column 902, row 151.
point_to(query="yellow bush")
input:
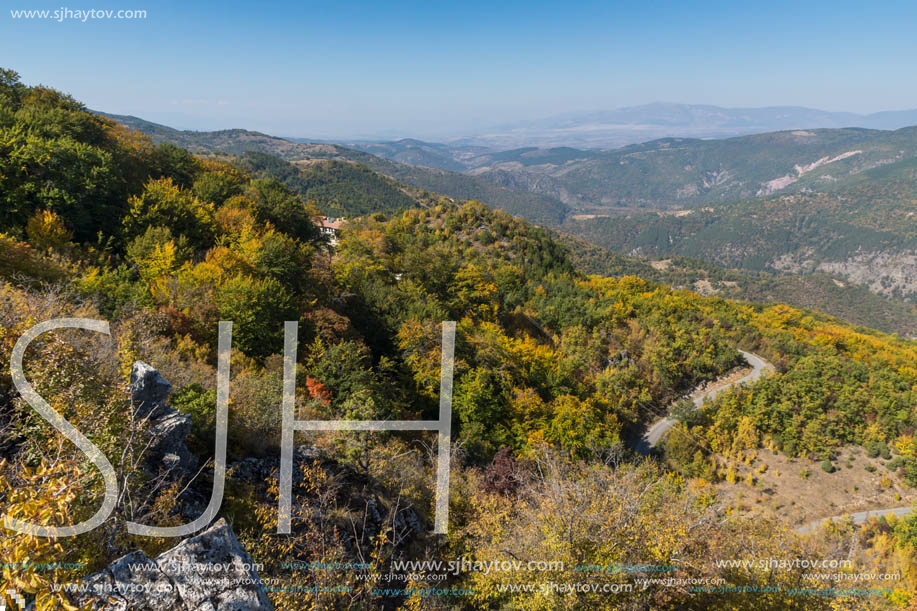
column 46, row 230
column 905, row 445
column 44, row 496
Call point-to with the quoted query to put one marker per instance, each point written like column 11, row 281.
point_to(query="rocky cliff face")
column 890, row 274
column 168, row 427
column 207, row 572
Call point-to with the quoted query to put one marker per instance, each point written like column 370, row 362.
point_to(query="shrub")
column 46, row 230
column 258, row 309
column 19, row 259
column 254, row 421
column 875, row 449
column 275, row 204
column 218, row 183
column 164, row 204
column 872, row 449
column 141, row 248
column 200, row 404
column 48, row 495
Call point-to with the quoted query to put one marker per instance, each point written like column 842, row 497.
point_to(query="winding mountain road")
column 859, row 517
column 758, row 366
column 656, row 432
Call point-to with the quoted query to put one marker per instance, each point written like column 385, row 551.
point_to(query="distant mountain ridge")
column 660, row 174
column 634, row 124
column 770, row 118
column 681, row 172
column 535, row 207
column 676, row 172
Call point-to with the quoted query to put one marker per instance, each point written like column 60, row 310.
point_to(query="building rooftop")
column 331, row 222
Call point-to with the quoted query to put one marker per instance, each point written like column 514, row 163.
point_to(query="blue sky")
column 424, row 68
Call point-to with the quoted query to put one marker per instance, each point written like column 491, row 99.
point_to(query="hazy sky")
column 425, row 68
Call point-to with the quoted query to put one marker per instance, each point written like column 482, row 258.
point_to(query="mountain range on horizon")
column 604, row 129
column 615, row 128
column 636, row 124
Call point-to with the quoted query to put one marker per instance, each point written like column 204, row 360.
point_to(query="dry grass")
column 799, row 499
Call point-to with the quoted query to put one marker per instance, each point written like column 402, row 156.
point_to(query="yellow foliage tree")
column 46, row 231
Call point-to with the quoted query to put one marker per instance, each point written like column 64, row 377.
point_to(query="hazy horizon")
column 394, row 134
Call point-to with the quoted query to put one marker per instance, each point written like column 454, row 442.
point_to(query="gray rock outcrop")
column 208, row 572
column 168, row 428
column 149, row 391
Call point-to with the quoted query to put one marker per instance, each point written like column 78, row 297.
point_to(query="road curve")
column 858, row 518
column 661, row 427
column 758, row 366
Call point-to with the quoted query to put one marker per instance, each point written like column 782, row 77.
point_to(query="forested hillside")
column 557, row 376
column 815, row 290
column 684, row 172
column 417, row 152
column 534, row 207
column 829, row 202
column 338, row 188
column 864, row 233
